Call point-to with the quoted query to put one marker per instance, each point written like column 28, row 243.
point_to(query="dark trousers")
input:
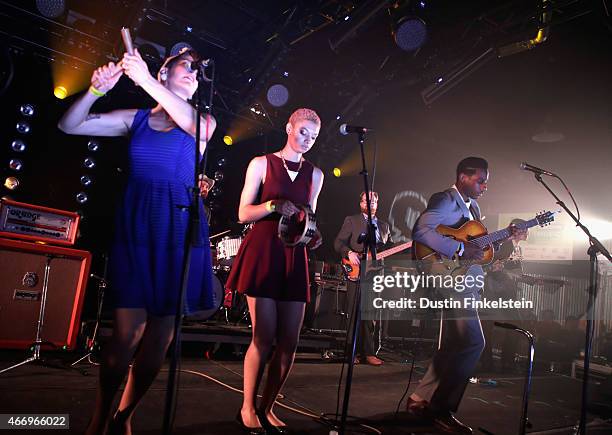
column 460, row 345
column 365, row 340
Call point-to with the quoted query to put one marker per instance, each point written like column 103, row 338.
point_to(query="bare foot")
column 249, row 418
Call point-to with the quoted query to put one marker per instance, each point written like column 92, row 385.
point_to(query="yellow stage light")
column 227, row 139
column 337, row 172
column 60, row 92
column 11, row 183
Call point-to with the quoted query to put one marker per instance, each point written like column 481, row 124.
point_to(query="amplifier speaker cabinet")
column 328, row 308
column 22, row 271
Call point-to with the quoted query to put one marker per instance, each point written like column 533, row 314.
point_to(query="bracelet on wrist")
column 96, row 92
column 270, row 206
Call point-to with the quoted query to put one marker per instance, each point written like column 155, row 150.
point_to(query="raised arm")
column 79, row 120
column 181, row 112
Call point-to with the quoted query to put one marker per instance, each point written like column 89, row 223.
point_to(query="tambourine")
column 298, row 228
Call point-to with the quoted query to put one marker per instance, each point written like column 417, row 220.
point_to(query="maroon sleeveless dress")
column 264, row 267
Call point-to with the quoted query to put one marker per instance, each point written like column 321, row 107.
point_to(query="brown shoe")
column 418, row 408
column 374, row 360
column 446, row 422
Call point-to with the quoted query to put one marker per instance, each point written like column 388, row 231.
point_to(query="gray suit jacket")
column 444, row 208
column 353, row 226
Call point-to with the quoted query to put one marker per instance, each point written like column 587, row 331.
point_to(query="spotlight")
column 23, row 127
column 218, row 176
column 18, row 146
column 15, row 164
column 86, row 180
column 93, row 145
column 60, row 92
column 11, row 183
column 216, row 192
column 227, row 140
column 81, row 197
column 410, row 33
column 221, row 162
column 51, row 8
column 337, row 172
column 89, row 163
column 277, row 95
column 26, row 110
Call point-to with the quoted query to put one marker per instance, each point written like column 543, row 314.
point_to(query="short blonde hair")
column 304, row 114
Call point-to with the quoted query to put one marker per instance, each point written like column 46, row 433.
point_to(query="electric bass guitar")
column 430, row 261
column 352, row 271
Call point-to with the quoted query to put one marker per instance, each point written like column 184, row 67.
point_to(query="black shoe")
column 446, row 422
column 249, row 430
column 270, row 428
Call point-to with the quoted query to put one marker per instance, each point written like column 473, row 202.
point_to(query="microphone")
column 346, row 129
column 527, row 167
column 127, row 40
column 194, row 66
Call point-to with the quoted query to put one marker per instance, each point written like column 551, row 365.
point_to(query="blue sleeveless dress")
column 150, row 227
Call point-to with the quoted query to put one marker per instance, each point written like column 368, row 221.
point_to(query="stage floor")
column 210, row 396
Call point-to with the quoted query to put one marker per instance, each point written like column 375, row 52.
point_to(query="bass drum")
column 200, row 316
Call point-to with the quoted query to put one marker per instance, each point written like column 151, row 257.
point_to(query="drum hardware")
column 298, row 228
column 227, row 248
column 214, row 236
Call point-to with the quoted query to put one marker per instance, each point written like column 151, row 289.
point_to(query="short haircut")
column 470, row 165
column 304, row 114
column 373, row 195
column 517, row 221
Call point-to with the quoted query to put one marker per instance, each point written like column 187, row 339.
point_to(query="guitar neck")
column 393, row 250
column 496, row 236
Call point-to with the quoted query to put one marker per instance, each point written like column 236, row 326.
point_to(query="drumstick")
column 127, row 40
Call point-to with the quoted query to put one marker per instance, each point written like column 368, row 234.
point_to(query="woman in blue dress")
column 150, row 228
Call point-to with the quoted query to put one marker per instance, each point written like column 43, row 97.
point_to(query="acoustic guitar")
column 352, row 271
column 430, row 261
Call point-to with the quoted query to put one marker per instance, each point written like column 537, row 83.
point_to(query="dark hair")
column 469, row 165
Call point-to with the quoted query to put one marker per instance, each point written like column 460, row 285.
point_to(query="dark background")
column 560, row 90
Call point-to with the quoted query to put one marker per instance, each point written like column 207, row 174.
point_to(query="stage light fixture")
column 51, row 8
column 277, row 95
column 410, row 33
column 60, row 92
column 86, row 180
column 11, row 183
column 26, row 110
column 23, row 127
column 18, row 146
column 216, row 192
column 93, row 145
column 337, row 172
column 81, row 197
column 218, row 176
column 15, row 164
column 89, row 163
column 227, row 140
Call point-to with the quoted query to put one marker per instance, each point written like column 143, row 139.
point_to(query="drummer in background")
column 273, row 276
column 205, row 184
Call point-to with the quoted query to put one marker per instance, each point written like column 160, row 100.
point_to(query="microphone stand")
column 369, row 246
column 193, row 239
column 524, row 422
column 595, row 248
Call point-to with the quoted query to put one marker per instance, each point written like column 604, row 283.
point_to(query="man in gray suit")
column 461, row 340
column 348, row 243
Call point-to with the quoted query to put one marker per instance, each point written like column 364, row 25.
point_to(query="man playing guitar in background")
column 349, row 244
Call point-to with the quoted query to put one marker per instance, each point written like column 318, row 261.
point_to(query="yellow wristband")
column 96, row 92
column 270, row 206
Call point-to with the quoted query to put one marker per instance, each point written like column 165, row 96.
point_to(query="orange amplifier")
column 36, row 223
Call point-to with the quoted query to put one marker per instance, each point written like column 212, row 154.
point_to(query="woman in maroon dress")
column 274, row 277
